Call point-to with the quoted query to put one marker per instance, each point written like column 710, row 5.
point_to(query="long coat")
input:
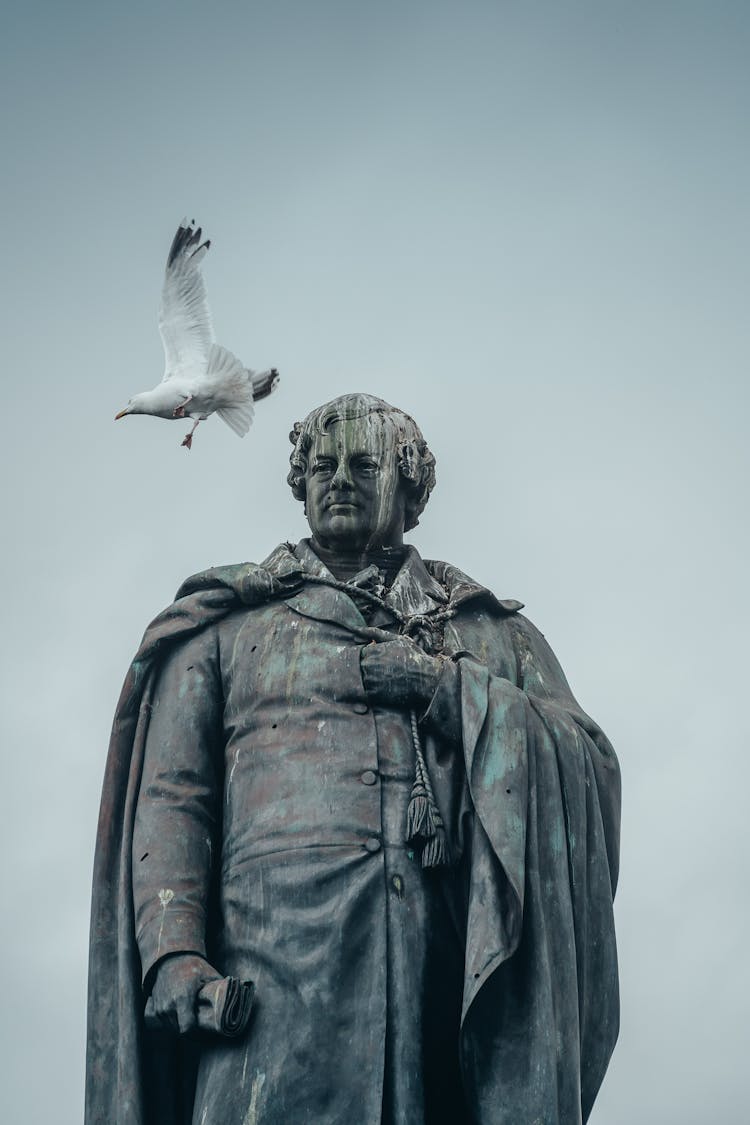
column 265, row 831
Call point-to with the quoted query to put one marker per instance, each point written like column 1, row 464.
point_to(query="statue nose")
column 342, row 478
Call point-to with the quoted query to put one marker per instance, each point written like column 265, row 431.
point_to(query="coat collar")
column 418, row 588
column 413, row 591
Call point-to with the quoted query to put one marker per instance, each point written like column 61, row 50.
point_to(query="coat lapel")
column 323, row 603
column 414, row 590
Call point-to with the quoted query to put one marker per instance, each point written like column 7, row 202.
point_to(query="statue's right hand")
column 179, row 979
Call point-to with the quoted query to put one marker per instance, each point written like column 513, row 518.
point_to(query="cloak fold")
column 541, row 1008
column 127, row 1067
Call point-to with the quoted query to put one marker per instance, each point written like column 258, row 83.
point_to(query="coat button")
column 369, row 777
column 360, row 708
column 372, row 844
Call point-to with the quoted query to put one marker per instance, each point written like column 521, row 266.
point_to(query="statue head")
column 363, row 470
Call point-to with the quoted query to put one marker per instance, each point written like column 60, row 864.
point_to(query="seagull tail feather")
column 233, row 393
column 239, row 418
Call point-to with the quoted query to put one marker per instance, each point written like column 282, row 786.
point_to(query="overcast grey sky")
column 525, row 223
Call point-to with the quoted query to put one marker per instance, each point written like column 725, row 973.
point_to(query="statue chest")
column 307, row 761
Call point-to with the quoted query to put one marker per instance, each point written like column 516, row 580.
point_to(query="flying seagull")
column 200, row 377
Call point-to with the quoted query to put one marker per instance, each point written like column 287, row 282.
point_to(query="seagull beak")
column 122, row 414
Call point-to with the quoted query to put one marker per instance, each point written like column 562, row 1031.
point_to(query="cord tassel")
column 424, row 824
column 416, row 816
column 435, row 851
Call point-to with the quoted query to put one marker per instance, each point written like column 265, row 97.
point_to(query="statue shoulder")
column 460, row 588
column 250, row 583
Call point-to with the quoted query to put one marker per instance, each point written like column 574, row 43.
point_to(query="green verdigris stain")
column 189, row 681
column 498, row 766
column 557, row 839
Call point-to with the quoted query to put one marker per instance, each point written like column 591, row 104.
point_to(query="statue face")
column 355, row 496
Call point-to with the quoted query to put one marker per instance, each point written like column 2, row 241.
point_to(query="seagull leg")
column 188, row 438
column 179, row 411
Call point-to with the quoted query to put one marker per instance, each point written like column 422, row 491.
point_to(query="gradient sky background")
column 525, row 223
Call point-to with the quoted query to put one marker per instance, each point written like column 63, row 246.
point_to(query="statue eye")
column 323, row 468
column 366, row 467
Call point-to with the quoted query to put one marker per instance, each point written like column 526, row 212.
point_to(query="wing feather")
column 184, row 316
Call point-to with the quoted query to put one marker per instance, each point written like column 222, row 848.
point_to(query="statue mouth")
column 341, row 506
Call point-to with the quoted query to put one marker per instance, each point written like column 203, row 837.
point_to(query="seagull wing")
column 184, row 316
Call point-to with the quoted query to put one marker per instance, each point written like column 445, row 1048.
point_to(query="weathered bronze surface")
column 359, row 781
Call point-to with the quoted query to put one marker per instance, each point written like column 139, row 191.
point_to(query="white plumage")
column 200, row 377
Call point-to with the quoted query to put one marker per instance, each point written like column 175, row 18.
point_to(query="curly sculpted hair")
column 416, row 463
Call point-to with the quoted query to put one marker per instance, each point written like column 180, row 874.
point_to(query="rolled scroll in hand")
column 223, row 1007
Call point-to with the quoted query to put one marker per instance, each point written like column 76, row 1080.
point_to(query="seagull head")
column 135, row 406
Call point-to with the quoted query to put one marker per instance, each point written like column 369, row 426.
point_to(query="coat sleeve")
column 176, row 818
column 541, row 1011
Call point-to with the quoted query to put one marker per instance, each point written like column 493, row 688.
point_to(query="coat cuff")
column 176, row 930
column 443, row 716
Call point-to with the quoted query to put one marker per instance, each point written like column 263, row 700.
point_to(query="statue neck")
column 344, row 565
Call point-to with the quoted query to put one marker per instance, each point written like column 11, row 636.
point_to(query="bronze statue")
column 359, row 781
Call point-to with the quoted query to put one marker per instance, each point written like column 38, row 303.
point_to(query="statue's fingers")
column 185, row 1014
column 158, row 1018
column 151, row 1017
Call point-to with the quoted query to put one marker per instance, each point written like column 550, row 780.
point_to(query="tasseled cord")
column 425, row 830
column 424, row 825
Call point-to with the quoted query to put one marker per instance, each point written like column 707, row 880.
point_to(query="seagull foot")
column 179, row 411
column 187, row 441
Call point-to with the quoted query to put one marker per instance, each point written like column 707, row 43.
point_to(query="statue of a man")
column 360, row 781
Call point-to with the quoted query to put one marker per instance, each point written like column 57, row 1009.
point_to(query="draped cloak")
column 533, row 806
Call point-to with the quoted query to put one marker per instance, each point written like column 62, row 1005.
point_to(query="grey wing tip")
column 186, row 238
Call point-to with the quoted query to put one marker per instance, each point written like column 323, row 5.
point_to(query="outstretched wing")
column 184, row 317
